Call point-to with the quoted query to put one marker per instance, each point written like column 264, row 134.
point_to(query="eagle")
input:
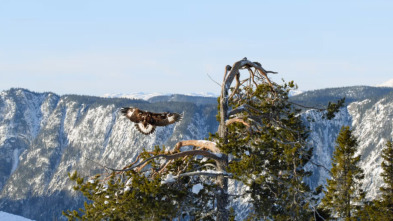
column 146, row 122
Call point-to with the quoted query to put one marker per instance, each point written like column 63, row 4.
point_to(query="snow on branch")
column 211, row 173
column 170, row 157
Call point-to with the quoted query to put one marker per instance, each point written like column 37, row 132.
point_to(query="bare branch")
column 259, row 68
column 209, row 145
column 213, row 80
column 285, row 142
column 227, row 69
column 204, row 173
column 239, row 195
column 172, row 157
column 142, row 166
column 237, row 78
column 206, row 165
column 238, row 110
column 319, row 165
column 233, row 120
column 164, row 166
column 247, row 108
column 307, row 107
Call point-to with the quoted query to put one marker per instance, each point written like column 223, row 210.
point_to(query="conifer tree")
column 381, row 209
column 272, row 152
column 386, row 204
column 343, row 195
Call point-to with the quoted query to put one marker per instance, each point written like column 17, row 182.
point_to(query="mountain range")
column 43, row 136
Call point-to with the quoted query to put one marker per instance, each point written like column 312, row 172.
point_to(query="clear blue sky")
column 95, row 47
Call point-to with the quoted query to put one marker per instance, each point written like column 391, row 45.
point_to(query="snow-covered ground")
column 11, row 217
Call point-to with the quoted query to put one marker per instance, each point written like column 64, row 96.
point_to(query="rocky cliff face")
column 44, row 136
column 372, row 122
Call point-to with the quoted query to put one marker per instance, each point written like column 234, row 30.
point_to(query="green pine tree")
column 139, row 195
column 271, row 152
column 386, row 204
column 382, row 209
column 343, row 195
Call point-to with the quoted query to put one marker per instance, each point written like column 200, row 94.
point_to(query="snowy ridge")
column 45, row 136
column 138, row 95
column 295, row 92
column 388, row 83
column 147, row 96
column 372, row 124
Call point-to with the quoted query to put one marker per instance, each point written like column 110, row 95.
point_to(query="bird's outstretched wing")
column 164, row 119
column 146, row 122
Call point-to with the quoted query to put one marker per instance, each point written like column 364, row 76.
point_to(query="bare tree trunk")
column 222, row 165
column 231, row 74
column 222, row 195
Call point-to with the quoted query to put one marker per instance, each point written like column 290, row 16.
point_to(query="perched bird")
column 146, row 122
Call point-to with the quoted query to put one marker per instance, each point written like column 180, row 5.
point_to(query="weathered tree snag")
column 231, row 74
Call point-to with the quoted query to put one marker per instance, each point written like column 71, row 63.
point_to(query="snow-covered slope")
column 10, row 217
column 45, row 136
column 372, row 122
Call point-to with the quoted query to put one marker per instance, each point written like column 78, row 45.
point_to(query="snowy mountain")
column 138, row 95
column 295, row 92
column 388, row 83
column 44, row 136
column 147, row 96
column 372, row 122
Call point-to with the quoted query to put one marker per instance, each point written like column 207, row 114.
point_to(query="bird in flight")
column 146, row 122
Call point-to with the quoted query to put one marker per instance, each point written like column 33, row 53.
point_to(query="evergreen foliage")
column 382, row 209
column 387, row 174
column 138, row 195
column 386, row 204
column 343, row 195
column 271, row 153
column 117, row 201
